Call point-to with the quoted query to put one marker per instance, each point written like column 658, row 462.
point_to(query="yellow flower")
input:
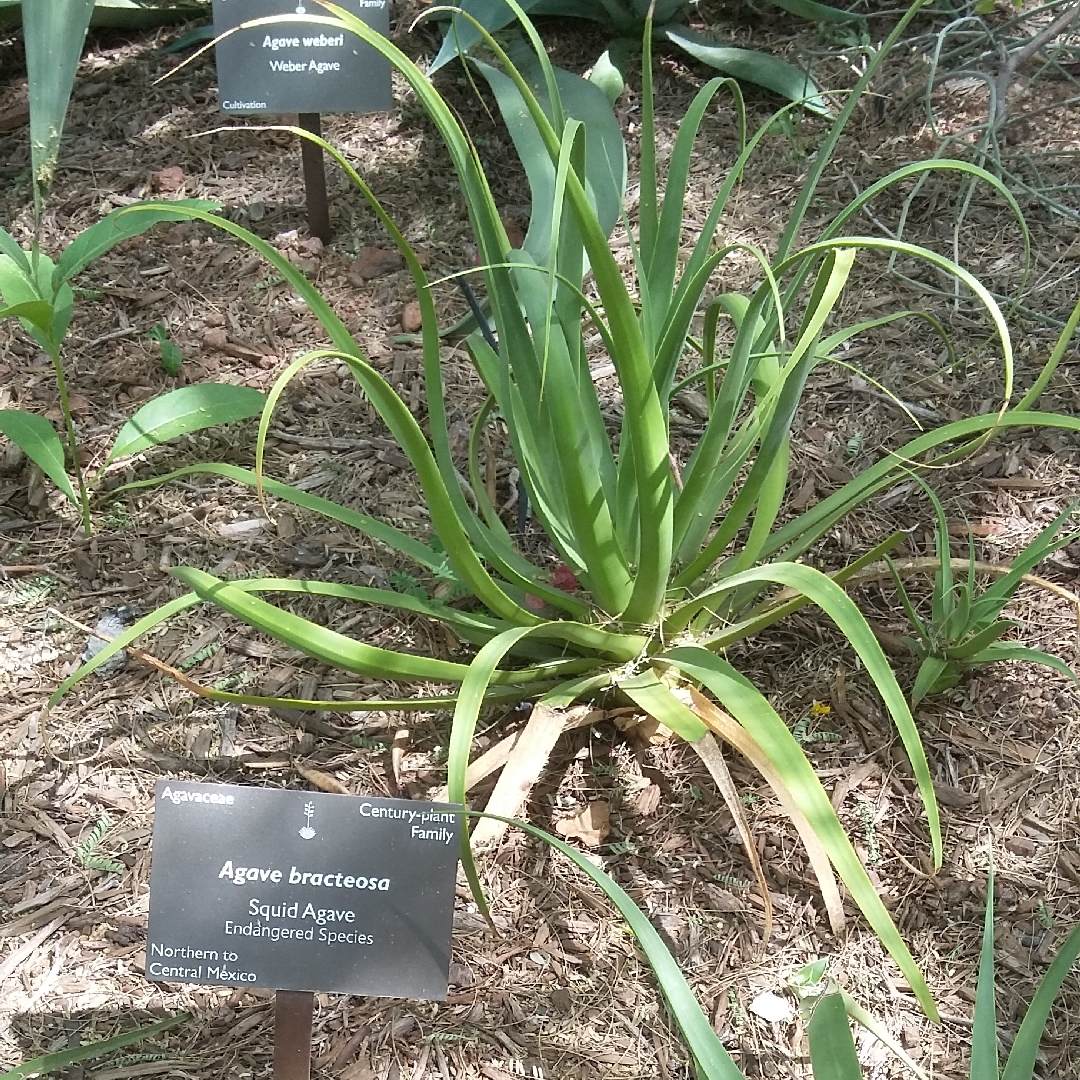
column 819, row 708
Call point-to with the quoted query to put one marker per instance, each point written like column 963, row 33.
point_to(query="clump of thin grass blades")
column 668, row 574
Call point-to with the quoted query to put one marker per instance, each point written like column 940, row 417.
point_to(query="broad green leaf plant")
column 626, row 20
column 37, row 291
column 965, row 629
column 669, row 556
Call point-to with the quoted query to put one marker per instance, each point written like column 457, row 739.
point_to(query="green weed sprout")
column 965, row 629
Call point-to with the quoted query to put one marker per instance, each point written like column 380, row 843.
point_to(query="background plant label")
column 297, row 890
column 299, row 67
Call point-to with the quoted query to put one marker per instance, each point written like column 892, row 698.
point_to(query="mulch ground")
column 562, row 991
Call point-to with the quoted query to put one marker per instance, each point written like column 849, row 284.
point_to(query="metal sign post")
column 318, row 206
column 292, row 1034
column 301, row 66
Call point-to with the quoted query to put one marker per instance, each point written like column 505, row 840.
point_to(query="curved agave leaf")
column 346, row 653
column 750, row 708
column 481, row 675
column 796, row 536
column 712, row 1060
column 1025, row 1048
column 832, row 1049
column 760, row 68
column 933, row 676
column 605, row 150
column 461, row 35
column 832, row 599
column 1008, row 650
column 825, row 152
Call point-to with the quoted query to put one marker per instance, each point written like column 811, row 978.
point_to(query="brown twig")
column 1011, row 62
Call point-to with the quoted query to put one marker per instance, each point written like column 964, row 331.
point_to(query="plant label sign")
column 297, row 890
column 298, row 67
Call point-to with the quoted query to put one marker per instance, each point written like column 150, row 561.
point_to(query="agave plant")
column 626, row 21
column 656, row 582
column 965, row 629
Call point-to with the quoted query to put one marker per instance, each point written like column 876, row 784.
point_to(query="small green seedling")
column 965, row 629
column 87, row 854
column 37, row 291
column 172, row 359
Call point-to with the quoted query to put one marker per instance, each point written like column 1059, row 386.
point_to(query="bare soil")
column 563, row 991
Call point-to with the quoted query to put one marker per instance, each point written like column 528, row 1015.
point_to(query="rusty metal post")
column 292, row 1034
column 318, row 206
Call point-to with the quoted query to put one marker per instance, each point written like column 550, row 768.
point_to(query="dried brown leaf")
column 592, row 826
column 322, row 780
column 647, row 800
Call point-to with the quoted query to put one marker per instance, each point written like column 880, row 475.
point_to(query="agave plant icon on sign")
column 307, row 832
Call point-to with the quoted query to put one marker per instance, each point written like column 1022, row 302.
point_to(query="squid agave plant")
column 658, row 580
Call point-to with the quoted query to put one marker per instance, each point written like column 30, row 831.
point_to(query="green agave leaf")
column 461, row 35
column 977, row 642
column 645, row 424
column 1034, row 392
column 605, row 151
column 147, row 622
column 647, row 690
column 292, row 585
column 759, row 68
column 350, row 655
column 480, row 675
column 179, row 412
column 1049, row 540
column 809, row 9
column 738, row 695
column 1008, row 650
column 712, row 1060
column 49, row 1063
column 832, row 1049
column 797, row 213
column 1025, row 1049
column 393, row 538
column 984, row 1036
column 933, row 676
column 37, row 438
column 326, row 645
column 832, row 599
column 122, row 224
column 54, row 34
